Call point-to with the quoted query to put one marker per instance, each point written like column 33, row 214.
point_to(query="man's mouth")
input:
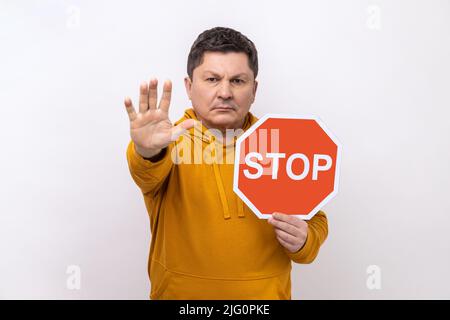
column 220, row 107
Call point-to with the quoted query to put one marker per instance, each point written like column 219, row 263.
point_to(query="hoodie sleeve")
column 148, row 175
column 317, row 233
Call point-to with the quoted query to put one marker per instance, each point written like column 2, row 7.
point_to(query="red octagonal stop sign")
column 287, row 164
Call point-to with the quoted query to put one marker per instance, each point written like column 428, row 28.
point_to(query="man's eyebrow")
column 242, row 74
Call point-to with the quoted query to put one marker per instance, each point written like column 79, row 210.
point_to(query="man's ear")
column 188, row 85
column 255, row 87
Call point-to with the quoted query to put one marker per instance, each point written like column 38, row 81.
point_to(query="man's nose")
column 225, row 90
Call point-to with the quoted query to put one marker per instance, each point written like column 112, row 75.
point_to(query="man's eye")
column 211, row 79
column 238, row 81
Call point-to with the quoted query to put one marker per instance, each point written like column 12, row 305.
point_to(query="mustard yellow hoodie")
column 206, row 243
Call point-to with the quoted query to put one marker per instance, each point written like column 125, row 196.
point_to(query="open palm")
column 151, row 128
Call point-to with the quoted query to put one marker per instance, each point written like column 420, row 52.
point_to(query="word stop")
column 275, row 159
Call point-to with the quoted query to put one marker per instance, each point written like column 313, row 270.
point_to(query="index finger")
column 287, row 218
column 166, row 96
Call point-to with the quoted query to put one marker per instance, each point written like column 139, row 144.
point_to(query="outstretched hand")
column 150, row 129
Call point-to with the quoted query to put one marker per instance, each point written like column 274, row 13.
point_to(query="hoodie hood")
column 199, row 131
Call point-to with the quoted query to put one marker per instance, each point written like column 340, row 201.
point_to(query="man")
column 206, row 243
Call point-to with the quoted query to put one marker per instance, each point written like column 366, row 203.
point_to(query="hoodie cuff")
column 157, row 169
column 301, row 256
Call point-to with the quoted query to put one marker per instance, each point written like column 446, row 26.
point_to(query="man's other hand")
column 291, row 231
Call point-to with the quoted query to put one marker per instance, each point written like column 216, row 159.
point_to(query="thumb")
column 181, row 128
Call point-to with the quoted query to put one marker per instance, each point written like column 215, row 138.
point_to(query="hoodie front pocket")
column 159, row 279
column 160, row 287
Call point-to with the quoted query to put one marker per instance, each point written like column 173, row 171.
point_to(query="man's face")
column 222, row 89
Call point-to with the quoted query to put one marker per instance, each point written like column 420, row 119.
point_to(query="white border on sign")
column 258, row 123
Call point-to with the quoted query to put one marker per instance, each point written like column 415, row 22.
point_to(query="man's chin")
column 224, row 120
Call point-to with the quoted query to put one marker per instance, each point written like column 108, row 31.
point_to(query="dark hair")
column 221, row 39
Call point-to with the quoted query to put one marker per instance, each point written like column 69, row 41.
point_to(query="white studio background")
column 377, row 72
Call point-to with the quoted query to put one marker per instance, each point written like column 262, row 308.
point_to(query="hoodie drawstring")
column 197, row 132
column 240, row 206
column 223, row 197
column 221, row 189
